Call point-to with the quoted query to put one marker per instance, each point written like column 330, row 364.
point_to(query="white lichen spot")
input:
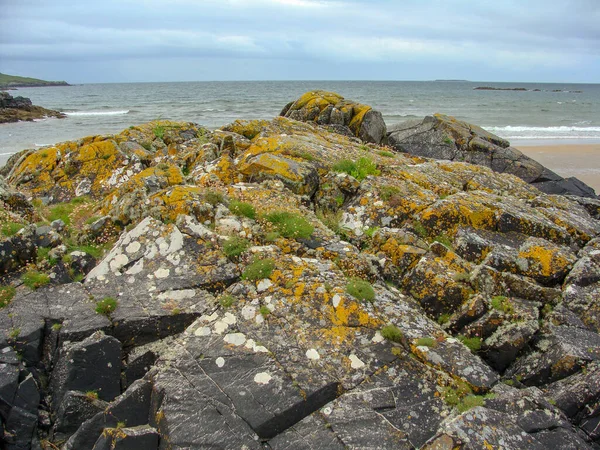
column 263, row 285
column 202, row 331
column 118, row 261
column 262, row 378
column 229, row 318
column 312, row 354
column 220, row 327
column 211, row 318
column 133, row 247
column 377, row 338
column 162, row 273
column 336, row 300
column 136, row 268
column 235, row 338
column 220, row 362
column 248, row 312
column 327, row 410
column 355, row 362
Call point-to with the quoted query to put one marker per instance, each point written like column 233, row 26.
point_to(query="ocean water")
column 563, row 113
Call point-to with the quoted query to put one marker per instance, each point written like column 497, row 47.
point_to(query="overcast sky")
column 85, row 41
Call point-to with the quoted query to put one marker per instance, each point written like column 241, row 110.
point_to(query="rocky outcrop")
column 444, row 137
column 275, row 284
column 328, row 108
column 16, row 109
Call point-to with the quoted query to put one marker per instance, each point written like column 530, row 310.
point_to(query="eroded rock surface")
column 275, row 284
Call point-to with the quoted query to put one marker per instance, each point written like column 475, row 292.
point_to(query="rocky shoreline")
column 313, row 281
column 17, row 109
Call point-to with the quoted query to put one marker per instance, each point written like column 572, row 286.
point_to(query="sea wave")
column 559, row 132
column 97, row 113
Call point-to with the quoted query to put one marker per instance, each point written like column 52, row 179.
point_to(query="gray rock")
column 129, row 438
column 75, row 408
column 93, row 364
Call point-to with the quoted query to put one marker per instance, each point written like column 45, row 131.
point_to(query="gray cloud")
column 531, row 39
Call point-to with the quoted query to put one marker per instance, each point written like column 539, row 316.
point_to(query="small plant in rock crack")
column 106, row 306
column 392, row 333
column 235, row 246
column 360, row 289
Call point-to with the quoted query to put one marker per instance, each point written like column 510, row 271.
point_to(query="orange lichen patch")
column 545, row 260
column 247, row 128
column 40, row 163
column 446, row 216
column 359, row 114
column 225, row 170
column 178, row 200
column 400, row 254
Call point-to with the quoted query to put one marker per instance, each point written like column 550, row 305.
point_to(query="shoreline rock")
column 17, row 109
column 281, row 284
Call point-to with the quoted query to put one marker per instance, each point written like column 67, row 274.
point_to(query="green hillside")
column 10, row 81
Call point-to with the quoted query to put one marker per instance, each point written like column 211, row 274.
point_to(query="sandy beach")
column 579, row 160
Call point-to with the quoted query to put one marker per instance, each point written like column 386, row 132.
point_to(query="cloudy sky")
column 84, row 41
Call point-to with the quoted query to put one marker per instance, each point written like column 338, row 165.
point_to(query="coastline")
column 581, row 161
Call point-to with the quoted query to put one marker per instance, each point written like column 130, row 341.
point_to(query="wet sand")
column 578, row 160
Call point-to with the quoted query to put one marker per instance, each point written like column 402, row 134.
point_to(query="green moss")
column 360, row 289
column 264, row 311
column 419, row 229
column 290, row 225
column 106, row 306
column 369, row 232
column 11, row 228
column 426, row 342
column 387, row 192
column 473, row 343
column 34, row 279
column 213, row 197
column 242, row 209
column 227, row 300
column 272, row 236
column 444, row 240
column 470, row 401
column 259, row 269
column 386, row 154
column 43, row 255
column 444, row 318
column 503, row 304
column 7, row 293
column 159, row 131
column 91, row 250
column 57, row 326
column 235, row 246
column 360, row 169
column 392, row 333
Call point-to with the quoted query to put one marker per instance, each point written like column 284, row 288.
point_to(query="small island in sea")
column 313, row 281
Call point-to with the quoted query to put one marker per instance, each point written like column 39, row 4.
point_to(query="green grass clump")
column 503, row 304
column 360, row 169
column 34, row 279
column 242, row 209
column 419, row 229
column 272, row 236
column 264, row 311
column 227, row 300
column 473, row 343
column 444, row 318
column 106, row 306
column 392, row 333
column 14, row 333
column 159, row 131
column 426, row 342
column 259, row 269
column 444, row 240
column 11, row 228
column 290, row 225
column 91, row 250
column 387, row 192
column 360, row 289
column 42, row 255
column 386, row 154
column 91, row 395
column 213, row 197
column 235, row 246
column 7, row 293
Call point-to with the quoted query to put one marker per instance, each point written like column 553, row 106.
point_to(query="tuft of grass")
column 503, row 304
column 213, row 197
column 473, row 343
column 387, row 192
column 272, row 236
column 42, row 255
column 386, row 154
column 360, row 169
column 448, row 140
column 7, row 293
column 444, row 240
column 34, row 279
column 91, row 395
column 227, row 300
column 360, row 289
column 392, row 333
column 235, row 246
column 369, row 232
column 264, row 311
column 426, row 342
column 444, row 318
column 91, row 250
column 419, row 229
column 259, row 269
column 57, row 326
column 290, row 225
column 14, row 333
column 242, row 209
column 11, row 228
column 331, row 219
column 159, row 131
column 106, row 306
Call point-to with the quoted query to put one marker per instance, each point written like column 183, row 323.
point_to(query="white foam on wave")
column 561, row 132
column 98, row 113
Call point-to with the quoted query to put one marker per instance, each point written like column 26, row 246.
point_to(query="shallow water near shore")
column 567, row 113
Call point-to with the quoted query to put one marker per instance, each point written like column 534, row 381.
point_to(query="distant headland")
column 13, row 81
